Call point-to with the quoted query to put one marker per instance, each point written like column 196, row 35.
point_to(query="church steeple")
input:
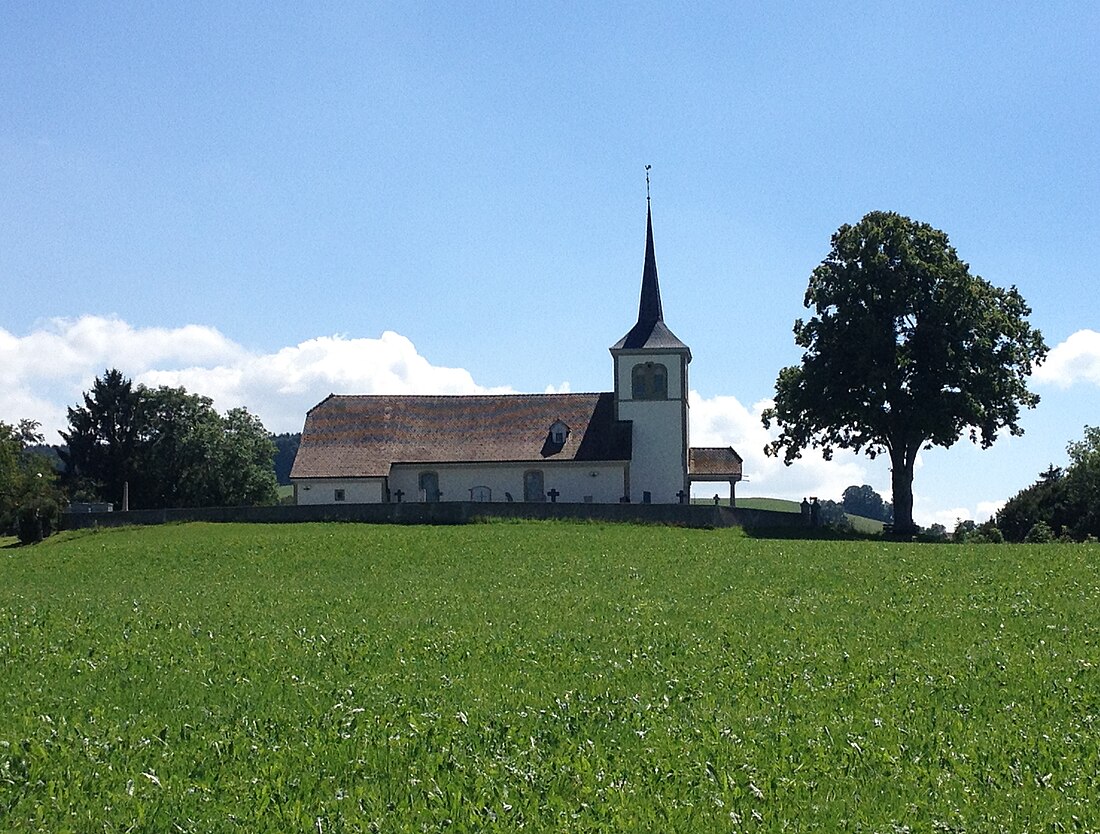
column 649, row 307
column 651, row 392
column 650, row 331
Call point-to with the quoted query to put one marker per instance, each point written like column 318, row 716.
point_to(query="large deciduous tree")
column 905, row 350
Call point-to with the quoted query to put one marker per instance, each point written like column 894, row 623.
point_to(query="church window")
column 649, row 381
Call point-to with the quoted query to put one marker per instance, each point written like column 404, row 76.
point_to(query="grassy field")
column 544, row 677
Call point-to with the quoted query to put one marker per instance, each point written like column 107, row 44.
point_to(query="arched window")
column 649, row 381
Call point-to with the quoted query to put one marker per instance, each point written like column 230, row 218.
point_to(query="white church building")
column 629, row 444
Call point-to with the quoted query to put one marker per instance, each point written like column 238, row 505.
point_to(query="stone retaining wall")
column 450, row 512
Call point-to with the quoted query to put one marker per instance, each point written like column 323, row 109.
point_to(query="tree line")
column 29, row 497
column 146, row 447
column 1063, row 503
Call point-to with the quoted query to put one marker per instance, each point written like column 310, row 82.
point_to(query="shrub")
column 36, row 520
column 1040, row 533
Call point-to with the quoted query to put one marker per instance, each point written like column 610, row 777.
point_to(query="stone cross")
column 681, row 495
column 399, row 495
column 553, row 496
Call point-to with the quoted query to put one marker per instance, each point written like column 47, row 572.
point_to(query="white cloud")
column 987, row 509
column 948, row 517
column 1075, row 360
column 724, row 421
column 46, row 371
column 282, row 386
column 925, row 515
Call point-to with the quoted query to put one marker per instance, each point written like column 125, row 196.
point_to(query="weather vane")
column 647, row 182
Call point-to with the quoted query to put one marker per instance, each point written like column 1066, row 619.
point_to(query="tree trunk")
column 901, row 482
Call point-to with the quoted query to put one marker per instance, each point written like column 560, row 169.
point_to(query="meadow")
column 544, row 677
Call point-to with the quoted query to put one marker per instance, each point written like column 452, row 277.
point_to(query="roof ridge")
column 469, row 396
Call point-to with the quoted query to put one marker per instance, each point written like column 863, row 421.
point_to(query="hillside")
column 543, row 677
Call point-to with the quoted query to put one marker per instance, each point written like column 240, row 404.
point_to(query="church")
column 627, row 445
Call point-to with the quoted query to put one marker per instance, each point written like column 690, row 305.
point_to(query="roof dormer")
column 559, row 432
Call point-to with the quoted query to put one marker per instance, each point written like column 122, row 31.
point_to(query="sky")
column 270, row 202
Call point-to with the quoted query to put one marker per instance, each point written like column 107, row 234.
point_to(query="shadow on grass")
column 811, row 533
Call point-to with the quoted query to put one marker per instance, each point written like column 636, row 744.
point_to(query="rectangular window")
column 339, row 495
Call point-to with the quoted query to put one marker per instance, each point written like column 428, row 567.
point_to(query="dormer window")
column 558, row 433
column 649, row 381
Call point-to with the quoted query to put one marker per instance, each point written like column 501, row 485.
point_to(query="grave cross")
column 681, row 495
column 553, row 496
column 399, row 495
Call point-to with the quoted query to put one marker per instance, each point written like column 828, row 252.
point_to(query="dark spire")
column 649, row 306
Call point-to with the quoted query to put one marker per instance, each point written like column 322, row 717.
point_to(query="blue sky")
column 269, row 202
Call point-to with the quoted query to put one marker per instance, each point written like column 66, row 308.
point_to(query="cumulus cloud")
column 47, row 370
column 1076, row 360
column 926, row 516
column 724, row 421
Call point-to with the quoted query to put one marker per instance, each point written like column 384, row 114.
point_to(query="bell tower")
column 651, row 391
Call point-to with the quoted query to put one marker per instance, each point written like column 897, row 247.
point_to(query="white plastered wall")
column 574, row 481
column 356, row 490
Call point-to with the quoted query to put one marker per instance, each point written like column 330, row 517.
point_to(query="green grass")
column 867, row 526
column 778, row 505
column 544, row 677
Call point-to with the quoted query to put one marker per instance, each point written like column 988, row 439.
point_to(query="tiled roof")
column 717, row 461
column 653, row 335
column 361, row 436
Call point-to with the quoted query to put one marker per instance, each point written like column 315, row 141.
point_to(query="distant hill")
column 778, row 505
column 781, row 505
column 49, row 452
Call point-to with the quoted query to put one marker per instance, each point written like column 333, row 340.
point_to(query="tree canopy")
column 102, row 437
column 904, row 350
column 864, row 501
column 172, row 448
